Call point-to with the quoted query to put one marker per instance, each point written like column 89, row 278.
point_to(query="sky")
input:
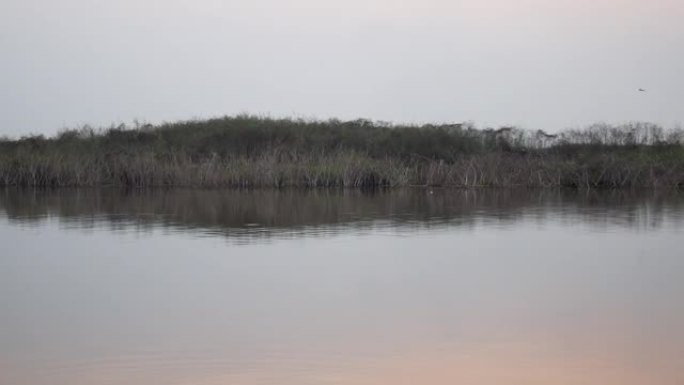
column 536, row 64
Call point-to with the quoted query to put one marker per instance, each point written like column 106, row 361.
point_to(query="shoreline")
column 250, row 152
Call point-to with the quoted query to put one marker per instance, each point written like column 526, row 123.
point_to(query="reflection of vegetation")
column 239, row 213
column 245, row 151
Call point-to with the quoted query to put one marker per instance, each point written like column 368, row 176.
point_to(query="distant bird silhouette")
column 642, row 90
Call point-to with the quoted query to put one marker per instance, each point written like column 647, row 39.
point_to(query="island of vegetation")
column 250, row 152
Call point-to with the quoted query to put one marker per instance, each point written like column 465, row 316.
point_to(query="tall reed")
column 246, row 151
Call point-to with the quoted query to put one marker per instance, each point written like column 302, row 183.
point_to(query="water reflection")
column 245, row 215
column 110, row 287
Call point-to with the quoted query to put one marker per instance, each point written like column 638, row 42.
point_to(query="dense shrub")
column 247, row 151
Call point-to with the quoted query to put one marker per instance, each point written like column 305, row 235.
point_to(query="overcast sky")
column 547, row 64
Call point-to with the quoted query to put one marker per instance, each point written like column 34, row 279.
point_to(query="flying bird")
column 642, row 90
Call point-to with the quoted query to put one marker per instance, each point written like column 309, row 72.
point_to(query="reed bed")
column 250, row 152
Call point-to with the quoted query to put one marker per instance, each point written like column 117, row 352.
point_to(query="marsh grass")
column 248, row 152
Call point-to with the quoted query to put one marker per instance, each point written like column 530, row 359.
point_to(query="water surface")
column 341, row 287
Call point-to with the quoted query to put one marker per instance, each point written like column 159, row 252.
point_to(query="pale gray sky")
column 533, row 63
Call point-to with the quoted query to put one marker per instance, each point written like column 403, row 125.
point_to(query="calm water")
column 336, row 287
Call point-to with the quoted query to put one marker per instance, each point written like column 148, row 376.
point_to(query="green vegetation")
column 247, row 151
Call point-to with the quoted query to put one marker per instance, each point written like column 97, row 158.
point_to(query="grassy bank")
column 247, row 151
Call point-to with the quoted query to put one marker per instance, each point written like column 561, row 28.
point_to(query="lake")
column 411, row 286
